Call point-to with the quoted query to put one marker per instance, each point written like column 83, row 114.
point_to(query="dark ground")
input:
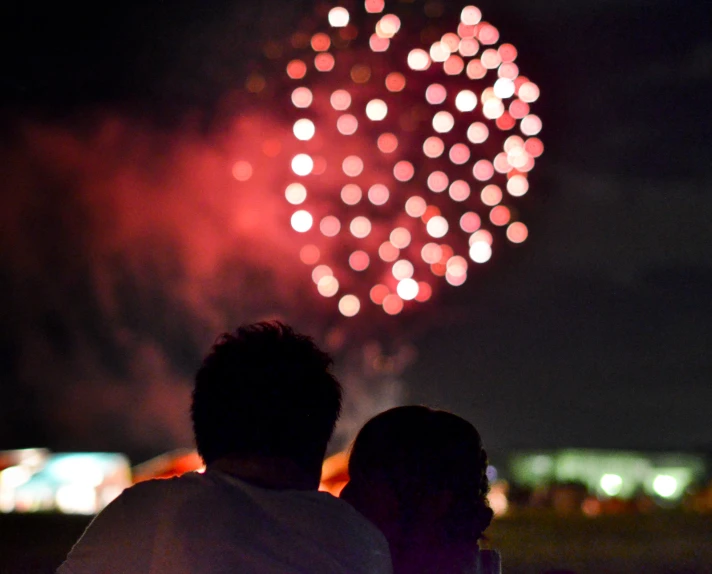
column 530, row 543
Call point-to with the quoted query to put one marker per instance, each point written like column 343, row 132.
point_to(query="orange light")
column 430, row 212
column 242, row 170
column 320, row 42
column 338, row 17
column 324, row 62
column 466, row 101
column 530, row 125
column 395, row 82
column 387, row 143
column 330, row 226
column 491, row 195
column 517, row 185
column 459, row 190
column 517, row 232
column 351, row 194
column 388, row 252
column 437, row 226
column 378, row 194
column 470, row 222
column 438, row 181
column 349, row 305
column 302, row 97
column 376, row 110
column 347, row 124
column 295, row 193
column 424, row 292
column 505, row 121
column 483, row 170
column 431, row 253
column 302, row 164
column 407, row 289
column 415, row 206
column 360, row 227
column 327, row 286
column 470, row 15
column 443, row 122
column 487, row 34
column 321, row 271
column 378, row 43
column 534, row 147
column 378, row 293
column 507, row 52
column 309, row 254
column 359, row 260
column 352, row 165
column 304, row 129
column 361, row 73
column 403, row 171
column 433, row 147
column 296, row 69
column 392, row 304
column 418, row 60
column 459, row 154
column 435, row 94
column 302, row 221
column 475, row 70
column 500, row 216
column 340, row 100
column 477, row 133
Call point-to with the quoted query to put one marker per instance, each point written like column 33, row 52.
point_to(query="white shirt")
column 215, row 523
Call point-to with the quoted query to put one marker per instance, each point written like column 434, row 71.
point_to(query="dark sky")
column 596, row 332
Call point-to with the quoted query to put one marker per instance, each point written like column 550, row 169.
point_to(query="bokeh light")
column 302, row 221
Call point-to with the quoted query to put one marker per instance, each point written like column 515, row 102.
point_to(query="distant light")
column 402, row 269
column 403, row 171
column 470, row 222
column 528, row 92
column 453, row 65
column 360, row 227
column 452, row 41
column 320, row 42
column 534, row 147
column 295, row 193
column 388, row 252
column 309, row 254
column 518, row 109
column 431, row 253
column 488, row 34
column 500, row 215
column 242, row 170
column 392, row 304
column 324, row 62
column 400, row 237
column 387, row 143
column 351, row 194
column 340, row 100
column 352, row 165
column 302, row 97
column 388, row 26
column 475, row 70
column 492, row 108
column 296, row 69
column 517, row 185
column 611, row 484
column 328, row 286
column 349, row 305
column 378, row 43
column 425, row 291
column 459, row 190
column 438, row 181
column 321, row 271
column 466, row 101
column 508, row 71
column 374, row 6
column 76, row 499
column 304, row 129
column 530, row 125
column 665, row 485
column 477, row 133
column 457, row 266
column 437, row 226
column 330, row 226
column 302, row 221
column 517, row 232
column 338, row 17
column 433, row 147
column 418, row 60
column 361, row 73
column 504, row 88
column 378, row 293
column 378, row 194
column 435, row 94
column 455, row 280
column 347, row 124
column 483, row 170
column 376, row 110
column 490, row 59
column 439, row 52
column 459, row 154
column 481, row 235
column 14, row 476
column 415, row 206
column 395, row 82
column 507, row 52
column 469, row 47
column 359, row 260
column 302, row 164
column 407, row 289
column 471, row 15
column 480, row 252
column 491, row 195
column 443, row 122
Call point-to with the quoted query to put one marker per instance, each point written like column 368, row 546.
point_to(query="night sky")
column 595, row 332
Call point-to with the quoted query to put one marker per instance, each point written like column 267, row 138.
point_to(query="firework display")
column 412, row 142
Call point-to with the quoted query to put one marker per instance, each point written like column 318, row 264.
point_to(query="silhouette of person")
column 264, row 407
column 420, row 475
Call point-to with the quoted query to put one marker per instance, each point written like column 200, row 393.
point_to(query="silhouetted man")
column 264, row 407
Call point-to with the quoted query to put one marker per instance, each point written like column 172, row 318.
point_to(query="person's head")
column 265, row 391
column 420, row 475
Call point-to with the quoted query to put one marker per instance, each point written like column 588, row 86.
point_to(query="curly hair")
column 265, row 390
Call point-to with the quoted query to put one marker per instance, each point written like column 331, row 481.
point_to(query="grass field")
column 530, row 543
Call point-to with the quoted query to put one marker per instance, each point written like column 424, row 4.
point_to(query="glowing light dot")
column 528, row 92
column 338, row 17
column 387, row 143
column 302, row 221
column 378, row 293
column 435, row 94
column 360, row 227
column 490, row 59
column 457, row 266
column 491, row 195
column 376, row 110
column 433, row 147
column 501, row 163
column 352, row 165
column 431, row 253
column 518, row 109
column 349, row 305
column 504, row 88
column 295, row 193
column 378, row 194
column 439, row 52
column 402, row 269
column 493, row 108
column 309, row 254
column 466, row 101
column 361, row 73
column 321, row 271
column 351, row 194
column 665, row 485
column 500, row 215
column 454, row 65
column 400, row 237
column 242, row 170
column 459, row 154
column 302, row 164
column 480, row 252
column 388, row 252
column 392, row 304
column 443, row 122
column 324, row 62
column 330, row 226
column 296, row 69
column 359, row 260
column 437, row 226
column 304, row 129
column 418, row 60
column 488, row 34
column 534, row 147
column 459, row 190
column 517, row 232
column 531, row 125
column 395, row 82
column 507, row 52
column 415, row 206
column 328, row 286
column 455, row 280
column 403, row 171
column 438, row 181
column 470, row 15
column 452, row 41
column 378, row 43
column 425, row 291
column 477, row 133
column 375, row 6
column 508, row 71
column 347, row 124
column 469, row 47
column 517, row 185
column 475, row 70
column 302, row 97
column 320, row 42
column 483, row 170
column 481, row 235
column 388, row 26
column 407, row 289
column 340, row 100
column 470, row 222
